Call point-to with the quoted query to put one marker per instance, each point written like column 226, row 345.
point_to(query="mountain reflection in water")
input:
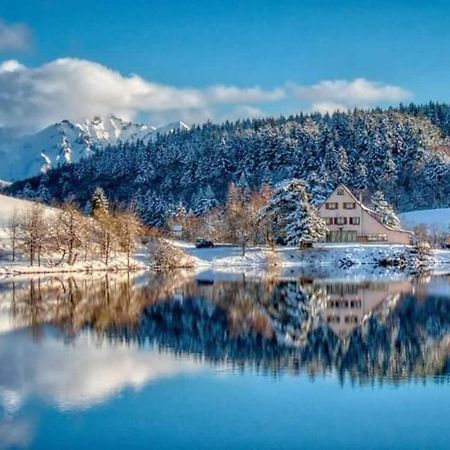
column 364, row 330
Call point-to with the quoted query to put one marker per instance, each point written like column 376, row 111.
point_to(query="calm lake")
column 218, row 361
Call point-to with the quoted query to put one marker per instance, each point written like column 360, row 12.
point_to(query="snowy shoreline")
column 329, row 258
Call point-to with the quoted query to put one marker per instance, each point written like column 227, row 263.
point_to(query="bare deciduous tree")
column 14, row 232
column 240, row 216
column 34, row 232
column 70, row 232
column 128, row 227
column 105, row 236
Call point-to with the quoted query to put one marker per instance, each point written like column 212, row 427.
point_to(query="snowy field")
column 433, row 219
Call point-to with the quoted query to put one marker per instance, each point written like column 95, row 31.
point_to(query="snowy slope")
column 11, row 205
column 8, row 207
column 436, row 219
column 66, row 142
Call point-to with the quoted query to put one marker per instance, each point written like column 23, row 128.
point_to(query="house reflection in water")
column 347, row 304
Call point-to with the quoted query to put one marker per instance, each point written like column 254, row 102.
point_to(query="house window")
column 329, row 221
column 355, row 220
column 349, row 205
column 351, row 319
column 331, row 205
column 340, row 191
column 376, row 237
column 333, row 319
column 340, row 220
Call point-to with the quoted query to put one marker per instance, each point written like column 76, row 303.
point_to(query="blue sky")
column 243, row 44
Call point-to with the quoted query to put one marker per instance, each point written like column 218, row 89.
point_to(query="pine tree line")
column 402, row 152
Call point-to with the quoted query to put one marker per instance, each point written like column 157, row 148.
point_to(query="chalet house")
column 348, row 220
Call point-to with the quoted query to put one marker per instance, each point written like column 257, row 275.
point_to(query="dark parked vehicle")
column 205, row 282
column 203, row 243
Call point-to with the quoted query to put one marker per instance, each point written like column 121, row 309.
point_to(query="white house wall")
column 368, row 225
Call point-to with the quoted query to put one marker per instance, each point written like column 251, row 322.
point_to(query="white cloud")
column 245, row 112
column 343, row 94
column 232, row 94
column 74, row 89
column 10, row 66
column 14, row 36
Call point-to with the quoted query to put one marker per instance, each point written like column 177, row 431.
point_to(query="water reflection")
column 79, row 375
column 69, row 343
column 363, row 330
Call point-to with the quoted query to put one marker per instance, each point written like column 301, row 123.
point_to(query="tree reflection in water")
column 363, row 330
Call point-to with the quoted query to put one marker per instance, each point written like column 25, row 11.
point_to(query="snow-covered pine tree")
column 43, row 194
column 154, row 210
column 180, row 212
column 27, row 191
column 244, row 187
column 204, row 201
column 99, row 202
column 320, row 187
column 292, row 216
column 359, row 177
column 385, row 210
column 305, row 225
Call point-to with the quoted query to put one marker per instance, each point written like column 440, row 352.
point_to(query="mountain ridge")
column 67, row 142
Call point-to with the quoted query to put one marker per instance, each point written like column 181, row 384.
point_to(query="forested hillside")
column 403, row 151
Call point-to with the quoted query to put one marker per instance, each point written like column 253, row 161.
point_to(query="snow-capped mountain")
column 66, row 142
column 113, row 130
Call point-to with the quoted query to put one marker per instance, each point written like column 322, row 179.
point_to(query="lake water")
column 224, row 361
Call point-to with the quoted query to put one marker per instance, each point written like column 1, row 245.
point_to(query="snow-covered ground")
column 433, row 219
column 225, row 255
column 11, row 205
column 323, row 259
